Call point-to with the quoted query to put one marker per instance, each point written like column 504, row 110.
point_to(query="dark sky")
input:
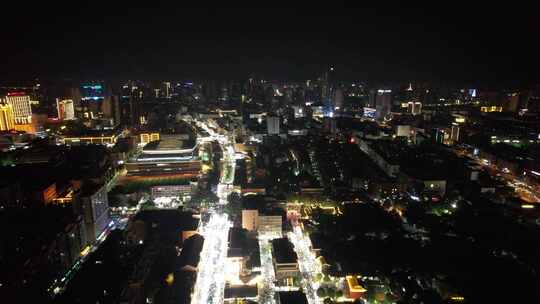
column 448, row 41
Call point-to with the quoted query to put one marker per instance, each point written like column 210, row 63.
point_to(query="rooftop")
column 283, row 251
column 240, row 292
column 169, row 144
column 292, row 297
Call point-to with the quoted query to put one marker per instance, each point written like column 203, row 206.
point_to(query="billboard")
column 369, row 112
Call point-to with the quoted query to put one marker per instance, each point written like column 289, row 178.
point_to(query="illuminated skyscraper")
column 66, row 109
column 130, row 105
column 6, row 117
column 92, row 96
column 22, row 111
column 383, row 103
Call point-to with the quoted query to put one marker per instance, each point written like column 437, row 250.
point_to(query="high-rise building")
column 22, row 111
column 93, row 96
column 272, row 125
column 7, row 121
column 130, row 104
column 94, row 207
column 383, row 103
column 66, row 109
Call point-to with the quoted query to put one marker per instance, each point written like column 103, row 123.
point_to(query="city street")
column 210, row 283
column 228, row 162
column 267, row 289
column 307, row 263
column 59, row 286
column 524, row 190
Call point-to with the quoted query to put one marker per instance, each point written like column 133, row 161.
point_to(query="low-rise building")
column 354, row 289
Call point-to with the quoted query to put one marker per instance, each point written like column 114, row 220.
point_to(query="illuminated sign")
column 369, row 112
column 16, row 94
column 491, row 109
column 93, row 87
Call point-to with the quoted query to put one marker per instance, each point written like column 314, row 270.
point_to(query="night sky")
column 447, row 42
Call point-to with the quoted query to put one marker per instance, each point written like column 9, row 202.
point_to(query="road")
column 210, row 284
column 307, row 263
column 267, row 288
column 59, row 285
column 527, row 192
column 228, row 162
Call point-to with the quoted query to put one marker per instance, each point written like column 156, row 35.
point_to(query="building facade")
column 383, row 103
column 22, row 111
column 7, row 119
column 66, row 109
column 93, row 205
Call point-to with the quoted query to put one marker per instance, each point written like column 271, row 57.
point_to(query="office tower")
column 272, row 124
column 93, row 206
column 22, row 111
column 130, row 103
column 7, row 121
column 92, row 96
column 383, row 103
column 66, row 109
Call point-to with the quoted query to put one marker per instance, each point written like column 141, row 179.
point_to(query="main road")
column 210, row 284
column 307, row 263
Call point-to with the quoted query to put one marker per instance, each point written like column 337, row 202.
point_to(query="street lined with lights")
column 307, row 262
column 267, row 290
column 210, row 284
